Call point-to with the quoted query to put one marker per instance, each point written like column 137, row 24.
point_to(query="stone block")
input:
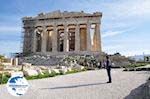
column 49, row 71
column 43, row 68
column 69, row 69
column 30, row 72
column 56, row 71
column 63, row 71
column 26, row 64
column 20, row 73
column 39, row 71
column 78, row 67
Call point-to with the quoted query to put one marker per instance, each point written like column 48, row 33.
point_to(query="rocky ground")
column 83, row 85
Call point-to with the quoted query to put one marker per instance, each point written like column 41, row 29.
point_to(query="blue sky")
column 125, row 24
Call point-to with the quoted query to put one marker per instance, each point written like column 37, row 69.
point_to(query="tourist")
column 108, row 68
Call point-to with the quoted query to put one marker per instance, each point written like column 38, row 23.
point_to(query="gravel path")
column 84, row 85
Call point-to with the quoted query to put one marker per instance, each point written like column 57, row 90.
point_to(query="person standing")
column 108, row 68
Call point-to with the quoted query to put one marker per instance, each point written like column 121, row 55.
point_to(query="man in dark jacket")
column 108, row 68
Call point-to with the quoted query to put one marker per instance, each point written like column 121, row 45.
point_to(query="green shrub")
column 0, row 78
column 75, row 71
column 31, row 77
column 70, row 72
column 61, row 73
column 52, row 74
column 136, row 65
column 46, row 74
column 4, row 78
column 40, row 76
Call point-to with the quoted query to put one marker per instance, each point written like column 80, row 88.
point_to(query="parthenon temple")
column 62, row 32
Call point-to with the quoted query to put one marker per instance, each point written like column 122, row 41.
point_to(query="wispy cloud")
column 112, row 47
column 111, row 33
column 128, row 8
column 125, row 14
column 135, row 52
column 126, row 49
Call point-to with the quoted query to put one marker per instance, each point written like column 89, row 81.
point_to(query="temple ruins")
column 62, row 32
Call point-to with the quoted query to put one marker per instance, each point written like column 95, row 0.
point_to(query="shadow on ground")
column 141, row 92
column 74, row 86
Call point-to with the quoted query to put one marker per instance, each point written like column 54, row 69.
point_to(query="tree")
column 117, row 54
column 2, row 58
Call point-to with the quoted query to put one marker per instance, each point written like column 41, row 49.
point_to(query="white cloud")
column 128, row 48
column 128, row 9
column 111, row 33
column 112, row 47
column 125, row 49
column 125, row 14
column 135, row 52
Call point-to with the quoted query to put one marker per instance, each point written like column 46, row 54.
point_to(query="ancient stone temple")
column 62, row 32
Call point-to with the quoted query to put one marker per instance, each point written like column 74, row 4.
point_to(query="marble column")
column 34, row 41
column 54, row 39
column 43, row 47
column 88, row 37
column 98, row 35
column 77, row 38
column 66, row 40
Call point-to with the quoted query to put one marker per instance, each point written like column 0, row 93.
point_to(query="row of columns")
column 66, row 41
